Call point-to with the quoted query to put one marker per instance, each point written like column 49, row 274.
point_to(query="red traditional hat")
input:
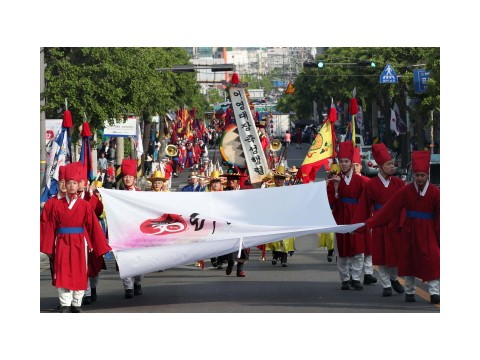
column 421, row 161
column 356, row 156
column 380, row 153
column 61, row 172
column 129, row 167
column 73, row 172
column 345, row 150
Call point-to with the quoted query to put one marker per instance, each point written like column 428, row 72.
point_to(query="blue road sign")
column 388, row 75
column 420, row 78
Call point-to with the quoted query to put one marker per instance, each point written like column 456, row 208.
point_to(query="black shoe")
column 397, row 286
column 409, row 297
column 214, row 264
column 330, row 255
column 274, row 261
column 128, row 293
column 345, row 285
column 434, row 299
column 94, row 294
column 369, row 279
column 77, row 309
column 65, row 309
column 229, row 269
column 87, row 300
column 356, row 285
column 137, row 289
column 284, row 264
column 387, row 291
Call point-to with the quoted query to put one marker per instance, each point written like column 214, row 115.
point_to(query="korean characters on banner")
column 255, row 157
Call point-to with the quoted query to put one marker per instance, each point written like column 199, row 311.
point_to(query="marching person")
column 158, row 181
column 368, row 277
column 419, row 244
column 282, row 248
column 385, row 239
column 343, row 197
column 67, row 234
column 193, row 184
column 233, row 180
column 214, row 185
column 132, row 284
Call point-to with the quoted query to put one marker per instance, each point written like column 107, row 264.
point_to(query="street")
column 309, row 284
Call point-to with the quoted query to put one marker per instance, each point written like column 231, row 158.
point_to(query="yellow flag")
column 322, row 146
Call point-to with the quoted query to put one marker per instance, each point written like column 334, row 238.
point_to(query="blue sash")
column 349, row 200
column 420, row 215
column 377, row 206
column 70, row 230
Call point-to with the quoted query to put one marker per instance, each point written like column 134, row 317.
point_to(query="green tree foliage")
column 341, row 74
column 111, row 83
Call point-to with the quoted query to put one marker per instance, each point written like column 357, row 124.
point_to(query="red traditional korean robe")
column 419, row 245
column 383, row 240
column 70, row 265
column 343, row 208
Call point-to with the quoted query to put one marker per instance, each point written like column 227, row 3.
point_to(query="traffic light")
column 312, row 64
column 366, row 63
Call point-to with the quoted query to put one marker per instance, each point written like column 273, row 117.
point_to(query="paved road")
column 309, row 284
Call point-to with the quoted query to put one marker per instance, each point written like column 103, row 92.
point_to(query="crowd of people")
column 401, row 233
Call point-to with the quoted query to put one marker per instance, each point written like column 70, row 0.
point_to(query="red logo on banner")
column 164, row 225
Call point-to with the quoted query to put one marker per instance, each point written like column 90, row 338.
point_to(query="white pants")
column 387, row 274
column 70, row 297
column 92, row 283
column 368, row 265
column 433, row 286
column 356, row 264
column 129, row 281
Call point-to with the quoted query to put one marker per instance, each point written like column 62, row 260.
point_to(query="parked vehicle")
column 370, row 166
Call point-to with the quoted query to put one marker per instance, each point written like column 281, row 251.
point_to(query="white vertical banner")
column 252, row 147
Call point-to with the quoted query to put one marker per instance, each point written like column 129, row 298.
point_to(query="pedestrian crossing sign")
column 388, row 75
column 290, row 89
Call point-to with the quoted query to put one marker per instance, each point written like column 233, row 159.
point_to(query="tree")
column 112, row 83
column 341, row 74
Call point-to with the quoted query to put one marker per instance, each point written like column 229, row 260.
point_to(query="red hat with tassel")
column 129, row 167
column 421, row 161
column 356, row 156
column 380, row 154
column 345, row 150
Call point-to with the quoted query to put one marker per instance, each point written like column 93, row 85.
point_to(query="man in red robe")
column 384, row 240
column 343, row 197
column 67, row 233
column 419, row 246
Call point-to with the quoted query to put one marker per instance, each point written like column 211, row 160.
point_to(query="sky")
column 247, row 23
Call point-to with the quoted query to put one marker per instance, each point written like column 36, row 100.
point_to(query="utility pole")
column 43, row 151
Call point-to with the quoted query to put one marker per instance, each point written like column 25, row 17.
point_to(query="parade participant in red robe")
column 384, row 240
column 67, row 233
column 368, row 277
column 419, row 246
column 347, row 189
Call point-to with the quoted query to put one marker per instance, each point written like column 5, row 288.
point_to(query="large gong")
column 231, row 147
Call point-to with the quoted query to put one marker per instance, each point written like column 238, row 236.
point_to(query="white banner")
column 150, row 231
column 52, row 128
column 252, row 147
column 119, row 128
